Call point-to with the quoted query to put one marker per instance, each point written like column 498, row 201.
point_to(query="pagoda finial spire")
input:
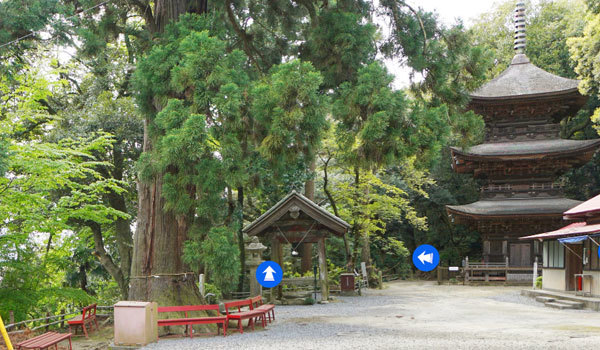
column 520, row 28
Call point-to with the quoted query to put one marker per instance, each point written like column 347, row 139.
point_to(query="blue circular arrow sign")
column 426, row 258
column 269, row 274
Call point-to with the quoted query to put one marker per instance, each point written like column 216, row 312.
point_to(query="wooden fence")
column 49, row 320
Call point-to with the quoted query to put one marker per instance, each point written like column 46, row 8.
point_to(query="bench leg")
column 96, row 321
column 225, row 329
column 251, row 323
column 84, row 330
column 70, row 345
column 240, row 328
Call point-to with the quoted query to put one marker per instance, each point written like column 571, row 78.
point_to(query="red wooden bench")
column 44, row 341
column 88, row 315
column 269, row 309
column 220, row 320
column 240, row 315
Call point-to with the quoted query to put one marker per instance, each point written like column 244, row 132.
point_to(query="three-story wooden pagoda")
column 522, row 156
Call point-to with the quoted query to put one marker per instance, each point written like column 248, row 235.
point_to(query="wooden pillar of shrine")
column 277, row 256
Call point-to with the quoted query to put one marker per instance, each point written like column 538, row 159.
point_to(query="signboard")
column 453, row 268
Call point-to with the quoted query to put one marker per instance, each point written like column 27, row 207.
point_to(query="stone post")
column 254, row 251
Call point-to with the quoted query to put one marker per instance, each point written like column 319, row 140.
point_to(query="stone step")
column 555, row 305
column 564, row 304
column 542, row 299
column 574, row 304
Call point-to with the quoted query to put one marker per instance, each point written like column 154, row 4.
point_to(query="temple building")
column 521, row 158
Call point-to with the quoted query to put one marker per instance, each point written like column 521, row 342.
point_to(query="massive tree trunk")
column 157, row 270
column 167, row 11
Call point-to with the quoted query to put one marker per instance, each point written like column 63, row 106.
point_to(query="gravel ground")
column 409, row 315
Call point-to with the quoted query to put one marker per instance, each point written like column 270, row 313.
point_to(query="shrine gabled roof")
column 527, row 148
column 513, row 207
column 586, row 209
column 523, row 79
column 308, row 207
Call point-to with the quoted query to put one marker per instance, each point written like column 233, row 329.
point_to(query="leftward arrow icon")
column 269, row 274
column 426, row 258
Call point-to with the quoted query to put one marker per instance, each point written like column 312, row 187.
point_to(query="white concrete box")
column 136, row 323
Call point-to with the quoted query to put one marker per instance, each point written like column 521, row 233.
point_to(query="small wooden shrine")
column 295, row 220
column 521, row 158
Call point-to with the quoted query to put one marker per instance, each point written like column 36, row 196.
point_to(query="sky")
column 448, row 11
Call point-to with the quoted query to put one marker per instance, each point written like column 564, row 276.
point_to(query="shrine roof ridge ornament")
column 293, row 203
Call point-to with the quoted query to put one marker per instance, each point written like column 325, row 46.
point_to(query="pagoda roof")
column 586, row 209
column 514, row 207
column 523, row 79
column 527, row 148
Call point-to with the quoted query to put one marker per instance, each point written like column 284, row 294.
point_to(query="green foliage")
column 46, row 187
column 339, row 45
column 334, row 272
column 290, row 111
column 309, row 301
column 585, row 51
column 538, row 282
column 219, row 252
column 212, row 289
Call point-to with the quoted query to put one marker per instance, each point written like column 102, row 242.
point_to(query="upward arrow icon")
column 269, row 274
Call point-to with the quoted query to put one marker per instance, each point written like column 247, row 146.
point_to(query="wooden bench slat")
column 44, row 341
column 221, row 319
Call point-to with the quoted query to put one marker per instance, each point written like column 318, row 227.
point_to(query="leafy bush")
column 309, row 301
column 220, row 252
column 538, row 282
column 212, row 289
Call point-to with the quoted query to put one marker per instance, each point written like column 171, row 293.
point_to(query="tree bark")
column 167, row 11
column 157, row 271
column 240, row 200
column 309, row 192
column 106, row 260
column 349, row 262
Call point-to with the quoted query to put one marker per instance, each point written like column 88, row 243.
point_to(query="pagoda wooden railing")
column 495, row 271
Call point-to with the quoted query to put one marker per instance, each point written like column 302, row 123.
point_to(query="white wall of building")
column 554, row 279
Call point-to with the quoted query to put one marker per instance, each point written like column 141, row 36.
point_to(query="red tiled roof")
column 585, row 209
column 574, row 229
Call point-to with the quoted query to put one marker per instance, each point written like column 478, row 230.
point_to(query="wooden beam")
column 277, row 256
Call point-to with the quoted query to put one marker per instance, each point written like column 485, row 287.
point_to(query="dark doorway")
column 573, row 264
column 520, row 254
